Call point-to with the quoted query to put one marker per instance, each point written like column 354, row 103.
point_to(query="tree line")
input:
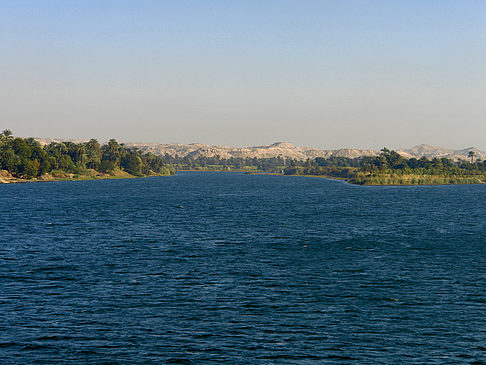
column 26, row 158
column 389, row 167
column 218, row 163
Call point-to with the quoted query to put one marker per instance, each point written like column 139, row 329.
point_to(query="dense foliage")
column 390, row 168
column 217, row 163
column 26, row 158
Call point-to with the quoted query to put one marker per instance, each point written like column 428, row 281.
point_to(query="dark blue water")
column 241, row 269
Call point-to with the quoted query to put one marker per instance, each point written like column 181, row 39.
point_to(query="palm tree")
column 471, row 154
column 6, row 135
column 382, row 161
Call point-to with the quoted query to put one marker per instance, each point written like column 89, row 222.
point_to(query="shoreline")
column 16, row 180
column 7, row 178
column 348, row 181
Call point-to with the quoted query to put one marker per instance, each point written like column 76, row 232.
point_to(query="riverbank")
column 380, row 179
column 7, row 178
column 414, row 179
column 358, row 179
column 401, row 180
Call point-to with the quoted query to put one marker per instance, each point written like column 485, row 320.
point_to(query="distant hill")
column 433, row 151
column 287, row 150
column 45, row 141
column 284, row 150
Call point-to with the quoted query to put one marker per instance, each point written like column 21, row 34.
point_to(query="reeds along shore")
column 390, row 168
column 25, row 159
column 410, row 179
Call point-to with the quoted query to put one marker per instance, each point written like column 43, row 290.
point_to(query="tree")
column 93, row 150
column 112, row 152
column 392, row 158
column 21, row 148
column 29, row 168
column 413, row 163
column 107, row 166
column 471, row 155
column 6, row 136
column 10, row 161
column 381, row 161
column 81, row 156
column 132, row 164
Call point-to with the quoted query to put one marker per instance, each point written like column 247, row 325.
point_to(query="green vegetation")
column 217, row 163
column 25, row 158
column 390, row 168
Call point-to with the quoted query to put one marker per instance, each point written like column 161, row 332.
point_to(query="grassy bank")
column 412, row 179
column 7, row 178
column 360, row 178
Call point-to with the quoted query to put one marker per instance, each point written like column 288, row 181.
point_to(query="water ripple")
column 235, row 269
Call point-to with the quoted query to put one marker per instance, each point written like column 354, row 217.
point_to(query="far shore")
column 346, row 180
column 349, row 181
column 7, row 178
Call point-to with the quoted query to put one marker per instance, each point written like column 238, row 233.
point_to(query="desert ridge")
column 284, row 150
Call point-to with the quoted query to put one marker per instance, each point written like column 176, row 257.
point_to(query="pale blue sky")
column 327, row 74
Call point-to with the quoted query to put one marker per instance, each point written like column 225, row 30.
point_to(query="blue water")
column 241, row 269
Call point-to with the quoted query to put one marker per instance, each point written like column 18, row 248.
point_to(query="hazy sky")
column 327, row 74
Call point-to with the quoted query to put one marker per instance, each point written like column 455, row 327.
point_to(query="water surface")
column 235, row 269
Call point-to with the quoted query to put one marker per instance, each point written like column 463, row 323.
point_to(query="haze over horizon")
column 357, row 74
